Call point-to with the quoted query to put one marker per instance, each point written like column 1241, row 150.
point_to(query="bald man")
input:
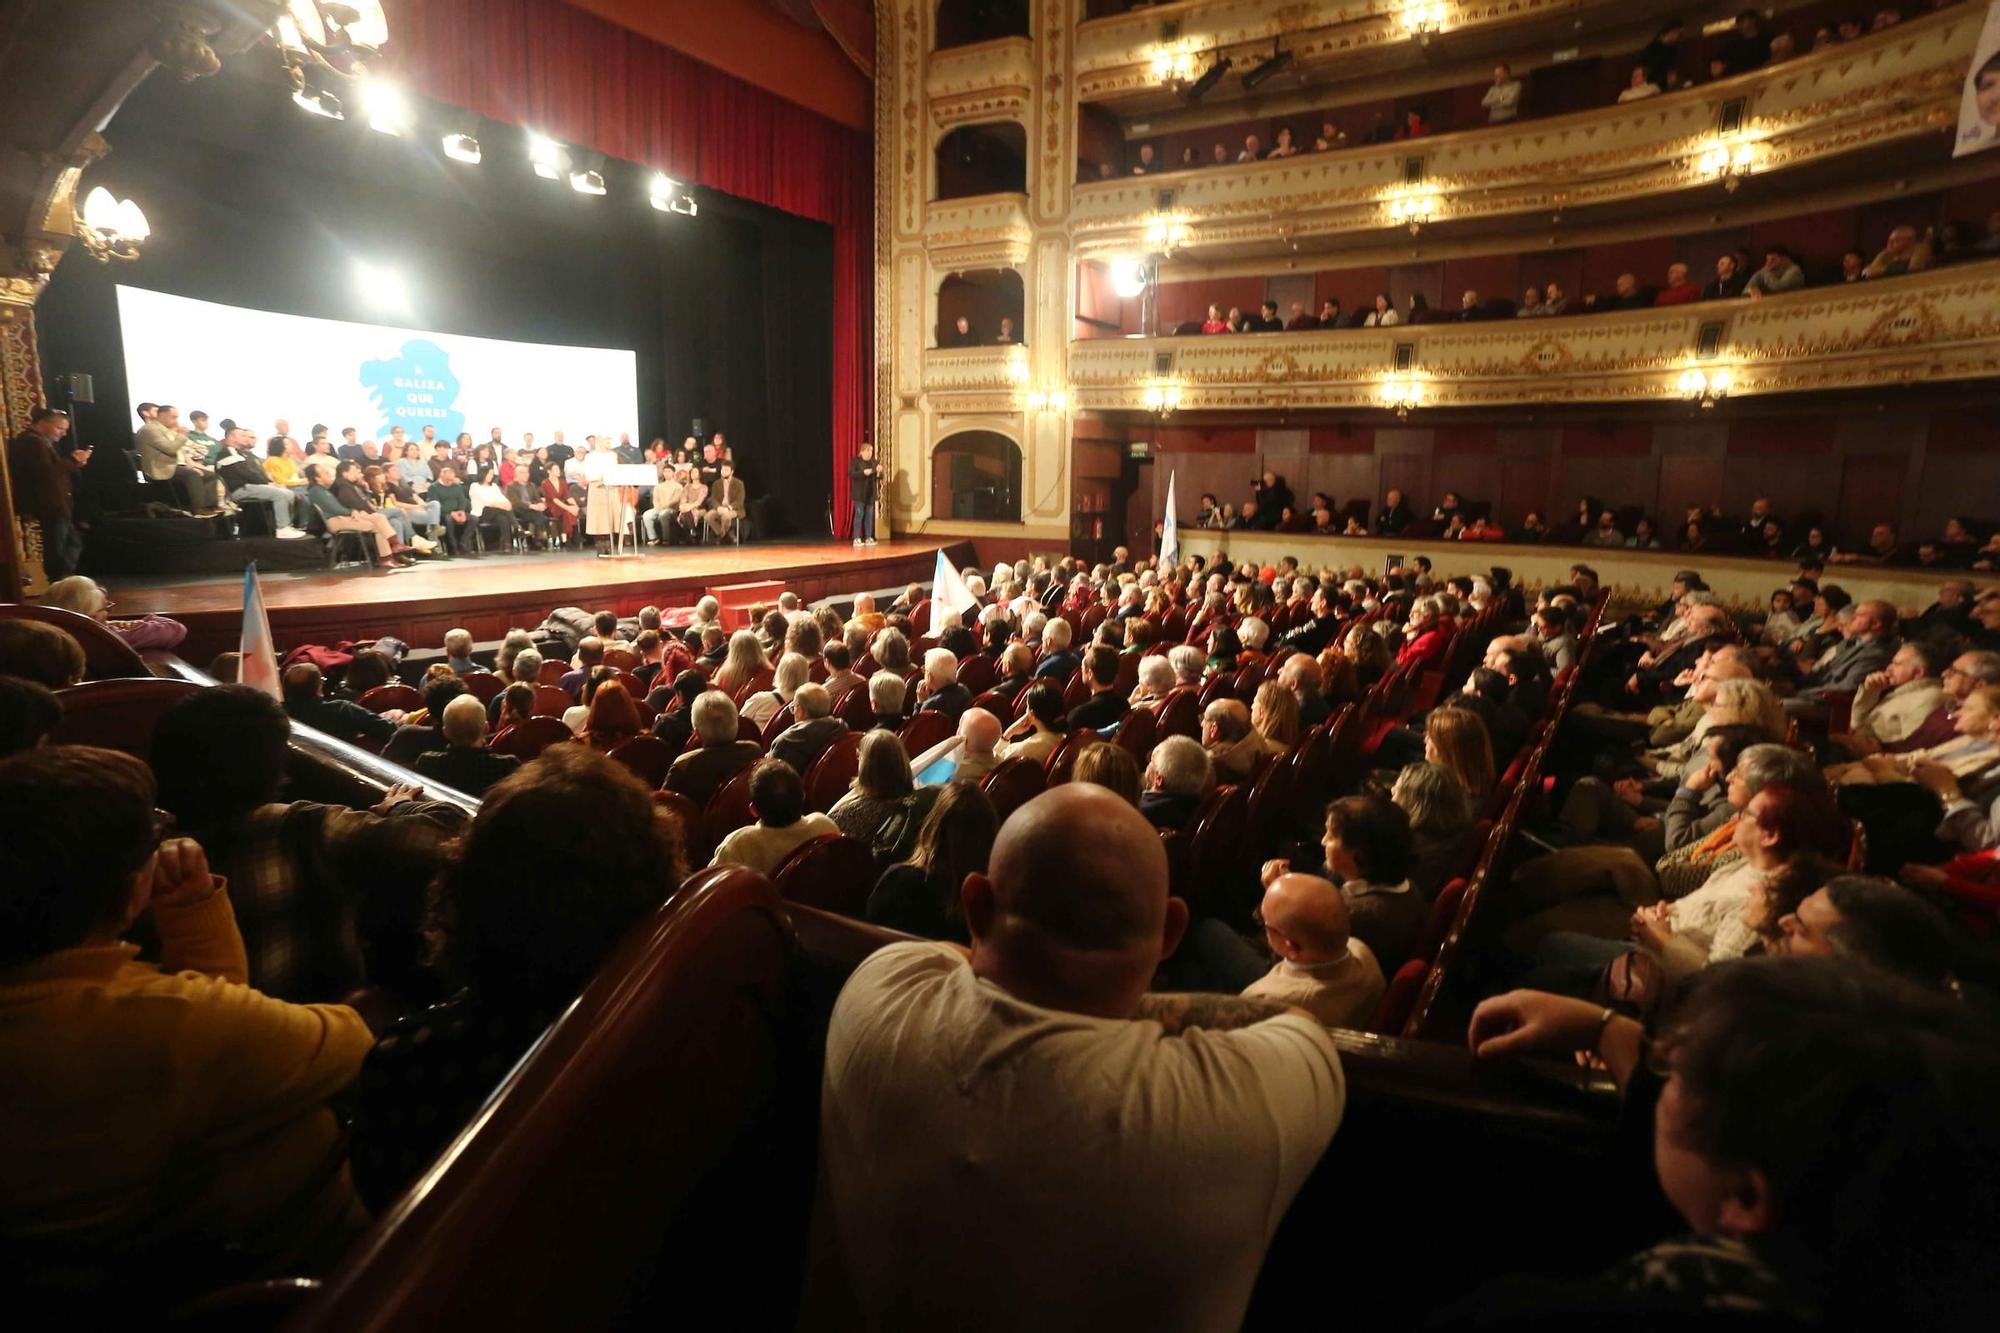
column 1226, row 735
column 1025, row 1138
column 978, row 732
column 1321, row 967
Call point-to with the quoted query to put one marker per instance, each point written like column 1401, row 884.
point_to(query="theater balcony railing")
column 1943, row 324
column 1115, row 55
column 1821, row 119
column 978, row 231
column 988, row 81
column 991, row 380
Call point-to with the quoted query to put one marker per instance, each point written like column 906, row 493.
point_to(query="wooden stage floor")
column 491, row 594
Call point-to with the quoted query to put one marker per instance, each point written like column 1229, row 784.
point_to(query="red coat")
column 1426, row 650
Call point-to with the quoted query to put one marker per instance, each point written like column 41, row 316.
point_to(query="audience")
column 777, row 798
column 920, row 896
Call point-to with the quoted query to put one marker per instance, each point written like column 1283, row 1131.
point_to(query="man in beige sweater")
column 1321, row 967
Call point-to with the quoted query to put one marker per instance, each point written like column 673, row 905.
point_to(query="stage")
column 489, row 595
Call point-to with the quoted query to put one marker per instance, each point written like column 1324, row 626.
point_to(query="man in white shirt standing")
column 1025, row 1138
column 1503, row 97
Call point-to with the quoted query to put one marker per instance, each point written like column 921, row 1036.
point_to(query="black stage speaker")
column 79, row 388
column 699, row 429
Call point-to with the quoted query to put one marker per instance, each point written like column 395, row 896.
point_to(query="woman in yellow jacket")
column 163, row 1128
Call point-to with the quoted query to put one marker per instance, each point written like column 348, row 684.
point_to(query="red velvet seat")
column 385, row 697
column 1270, row 808
column 482, row 685
column 1012, row 783
column 757, row 684
column 622, row 658
column 105, row 655
column 729, row 809
column 832, row 872
column 1128, row 673
column 1400, row 998
column 1245, row 683
column 828, row 777
column 1179, row 714
column 688, row 815
column 552, row 672
column 1137, row 734
column 1220, row 686
column 746, row 730
column 977, row 673
column 551, row 701
column 924, row 730
column 1062, row 759
column 1216, row 848
column 530, row 738
column 998, row 704
column 775, row 728
column 119, row 713
column 1444, row 911
column 648, row 756
column 920, row 617
column 1313, row 776
column 853, row 708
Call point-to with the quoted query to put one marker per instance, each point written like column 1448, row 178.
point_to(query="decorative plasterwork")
column 1931, row 326
column 965, row 368
column 986, row 221
column 989, row 81
column 1816, row 107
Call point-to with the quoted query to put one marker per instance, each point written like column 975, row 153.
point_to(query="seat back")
column 924, row 730
column 920, row 616
column 1062, row 759
column 829, row 776
column 530, row 738
column 977, row 673
column 998, row 704
column 1137, row 734
column 746, row 730
column 552, row 672
column 1401, row 996
column 853, row 708
column 551, row 701
column 775, row 728
column 483, row 685
column 1216, row 850
column 1220, row 686
column 119, row 713
column 385, row 697
column 622, row 658
column 833, row 873
column 1179, row 714
column 688, row 815
column 1269, row 809
column 105, row 655
column 648, row 756
column 1244, row 684
column 1128, row 673
column 1444, row 910
column 1013, row 783
column 578, row 1155
column 729, row 809
column 757, row 684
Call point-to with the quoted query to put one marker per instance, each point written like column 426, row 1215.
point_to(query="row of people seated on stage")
column 1737, row 274
column 1870, row 990
column 1964, row 542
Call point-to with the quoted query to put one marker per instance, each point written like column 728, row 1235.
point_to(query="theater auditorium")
column 1509, row 840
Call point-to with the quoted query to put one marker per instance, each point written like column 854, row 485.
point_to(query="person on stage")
column 491, row 509
column 555, row 489
column 531, row 511
column 863, row 475
column 729, row 502
column 605, row 506
column 655, row 523
column 687, row 514
column 412, row 471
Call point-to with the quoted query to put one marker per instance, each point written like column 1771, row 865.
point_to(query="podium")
column 629, row 474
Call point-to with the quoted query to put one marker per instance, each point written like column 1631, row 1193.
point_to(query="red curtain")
column 544, row 66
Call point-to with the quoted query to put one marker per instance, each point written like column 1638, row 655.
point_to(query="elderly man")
column 465, row 764
column 1904, row 253
column 1156, row 682
column 1017, row 668
column 944, row 1076
column 1058, row 659
column 1188, row 662
column 1233, row 748
column 1870, row 643
column 865, row 612
column 1177, row 776
column 701, row 772
column 807, row 738
column 1902, row 700
column 887, row 692
column 1301, row 675
column 938, row 690
column 979, row 736
column 1321, row 967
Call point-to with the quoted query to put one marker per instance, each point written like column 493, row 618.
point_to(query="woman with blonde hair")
column 794, row 670
column 746, row 658
column 1110, row 766
column 1456, row 739
column 1274, row 716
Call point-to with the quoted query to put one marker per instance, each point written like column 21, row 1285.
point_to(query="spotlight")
column 550, row 159
column 1201, row 86
column 388, row 110
column 1278, row 60
column 1128, row 277
column 318, row 101
column 586, row 182
column 462, row 148
column 666, row 194
column 382, row 290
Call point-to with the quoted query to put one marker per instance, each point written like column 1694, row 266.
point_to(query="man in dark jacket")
column 863, row 474
column 465, row 764
column 806, row 739
column 1106, row 706
column 1394, row 516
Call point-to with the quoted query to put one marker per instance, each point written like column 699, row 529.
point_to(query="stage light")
column 1201, row 86
column 550, row 159
column 388, row 109
column 381, row 290
column 462, row 148
column 1278, row 60
column 318, row 101
column 300, row 28
column 1128, row 277
column 586, row 182
column 667, row 194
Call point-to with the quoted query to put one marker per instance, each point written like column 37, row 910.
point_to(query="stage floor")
column 490, row 594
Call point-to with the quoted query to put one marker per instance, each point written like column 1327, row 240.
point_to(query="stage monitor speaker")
column 699, row 429
column 79, row 388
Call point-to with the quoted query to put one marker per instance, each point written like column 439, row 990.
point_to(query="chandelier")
column 324, row 35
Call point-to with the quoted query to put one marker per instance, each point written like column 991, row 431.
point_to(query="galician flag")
column 948, row 591
column 259, row 668
column 1170, row 541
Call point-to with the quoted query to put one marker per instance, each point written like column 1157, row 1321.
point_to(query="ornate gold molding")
column 990, row 81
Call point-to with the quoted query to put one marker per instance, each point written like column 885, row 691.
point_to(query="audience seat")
column 1314, row 772
column 1269, row 810
column 1179, row 714
column 648, row 756
column 118, row 714
column 853, row 708
column 1393, row 1013
column 832, row 872
column 483, row 685
column 632, row 1148
column 1444, row 910
column 757, row 684
column 105, row 655
column 998, row 704
column 1215, row 851
column 553, row 670
column 1013, row 783
column 1276, row 661
column 977, row 673
column 688, row 815
column 729, row 809
column 551, row 701
column 530, row 738
column 775, row 728
column 385, row 697
column 920, row 617
column 1128, row 673
column 1062, row 759
column 1243, row 684
column 622, row 658
column 1076, row 691
column 828, row 777
column 1137, row 734
column 1217, row 688
column 924, row 730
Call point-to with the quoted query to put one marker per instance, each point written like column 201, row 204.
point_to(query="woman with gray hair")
column 1440, row 814
column 1156, row 682
column 884, row 804
column 1253, row 632
column 1188, row 663
column 794, row 670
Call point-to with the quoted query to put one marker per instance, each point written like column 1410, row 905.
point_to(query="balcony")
column 1934, row 326
column 1820, row 119
column 984, row 231
column 993, row 80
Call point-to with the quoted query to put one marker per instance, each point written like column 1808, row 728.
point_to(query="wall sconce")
column 1401, row 392
column 1413, row 209
column 111, row 228
column 1048, row 400
column 1173, row 64
column 1166, row 232
column 1424, row 19
column 1705, row 387
column 1728, row 161
column 1162, row 397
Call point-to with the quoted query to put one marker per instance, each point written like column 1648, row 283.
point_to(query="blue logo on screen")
column 415, row 390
